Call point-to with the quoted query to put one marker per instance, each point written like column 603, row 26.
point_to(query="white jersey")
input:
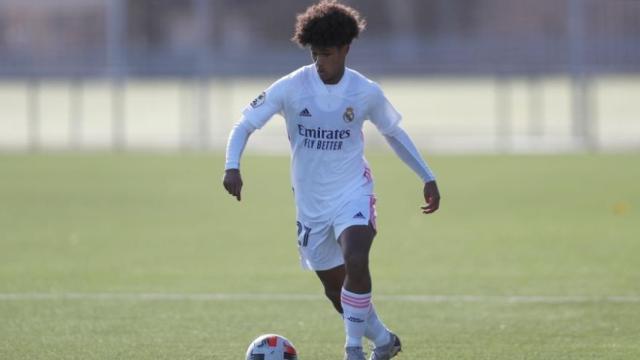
column 324, row 125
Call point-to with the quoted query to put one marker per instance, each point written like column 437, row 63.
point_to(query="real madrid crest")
column 348, row 115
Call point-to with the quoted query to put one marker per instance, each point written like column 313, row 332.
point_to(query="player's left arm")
column 406, row 150
column 387, row 120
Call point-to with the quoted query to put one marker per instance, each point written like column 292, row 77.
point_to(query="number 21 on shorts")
column 304, row 231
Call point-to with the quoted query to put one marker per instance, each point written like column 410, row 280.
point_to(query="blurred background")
column 468, row 75
column 117, row 240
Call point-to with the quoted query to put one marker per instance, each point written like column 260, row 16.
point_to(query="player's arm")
column 406, row 150
column 238, row 138
column 386, row 119
column 254, row 116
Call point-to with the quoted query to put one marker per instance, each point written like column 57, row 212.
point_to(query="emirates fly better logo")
column 323, row 139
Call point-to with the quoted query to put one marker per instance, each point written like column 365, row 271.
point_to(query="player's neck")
column 336, row 79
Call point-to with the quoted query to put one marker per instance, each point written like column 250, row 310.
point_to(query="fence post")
column 536, row 106
column 76, row 99
column 503, row 113
column 581, row 116
column 117, row 63
column 203, row 8
column 33, row 111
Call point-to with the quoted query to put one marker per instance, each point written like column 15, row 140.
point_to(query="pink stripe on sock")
column 350, row 302
column 359, row 306
column 357, row 297
column 356, row 300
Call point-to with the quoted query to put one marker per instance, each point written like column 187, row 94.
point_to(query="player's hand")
column 232, row 181
column 432, row 197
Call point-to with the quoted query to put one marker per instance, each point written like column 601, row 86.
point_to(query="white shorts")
column 318, row 242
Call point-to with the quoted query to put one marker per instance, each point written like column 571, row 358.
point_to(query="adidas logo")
column 355, row 319
column 305, row 112
column 358, row 216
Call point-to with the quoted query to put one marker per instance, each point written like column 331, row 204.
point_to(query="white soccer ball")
column 271, row 347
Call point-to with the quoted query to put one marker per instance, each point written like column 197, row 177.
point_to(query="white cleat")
column 389, row 350
column 354, row 353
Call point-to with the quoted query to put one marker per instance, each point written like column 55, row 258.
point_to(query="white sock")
column 356, row 310
column 376, row 331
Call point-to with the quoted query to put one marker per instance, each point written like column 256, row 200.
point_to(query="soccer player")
column 325, row 105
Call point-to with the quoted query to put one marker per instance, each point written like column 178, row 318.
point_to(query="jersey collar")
column 320, row 86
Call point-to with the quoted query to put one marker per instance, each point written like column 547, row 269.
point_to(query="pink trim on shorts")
column 372, row 212
column 367, row 174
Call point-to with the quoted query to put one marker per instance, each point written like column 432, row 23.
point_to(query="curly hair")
column 328, row 24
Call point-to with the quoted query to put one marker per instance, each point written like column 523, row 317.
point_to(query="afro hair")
column 328, row 24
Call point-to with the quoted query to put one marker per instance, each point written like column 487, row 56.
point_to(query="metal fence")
column 496, row 75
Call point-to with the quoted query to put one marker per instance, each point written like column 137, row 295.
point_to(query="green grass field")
column 99, row 255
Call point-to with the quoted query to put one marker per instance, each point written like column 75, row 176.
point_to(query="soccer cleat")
column 389, row 350
column 354, row 353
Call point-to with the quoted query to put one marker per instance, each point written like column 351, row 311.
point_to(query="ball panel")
column 271, row 347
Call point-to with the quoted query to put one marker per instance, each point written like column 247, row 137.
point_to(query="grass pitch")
column 535, row 257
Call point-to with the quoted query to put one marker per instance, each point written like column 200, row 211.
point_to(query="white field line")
column 35, row 296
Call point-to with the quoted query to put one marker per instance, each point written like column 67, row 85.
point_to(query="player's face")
column 330, row 62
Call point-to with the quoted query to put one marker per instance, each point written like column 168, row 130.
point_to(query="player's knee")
column 332, row 294
column 356, row 264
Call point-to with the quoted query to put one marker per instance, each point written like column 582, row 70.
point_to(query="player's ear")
column 343, row 50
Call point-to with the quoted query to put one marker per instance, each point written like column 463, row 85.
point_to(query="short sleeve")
column 266, row 104
column 381, row 113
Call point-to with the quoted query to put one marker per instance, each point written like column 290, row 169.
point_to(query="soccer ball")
column 271, row 347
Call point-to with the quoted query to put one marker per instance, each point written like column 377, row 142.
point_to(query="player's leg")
column 355, row 242
column 356, row 295
column 332, row 281
column 355, row 229
column 319, row 251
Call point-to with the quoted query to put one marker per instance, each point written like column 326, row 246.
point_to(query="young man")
column 324, row 105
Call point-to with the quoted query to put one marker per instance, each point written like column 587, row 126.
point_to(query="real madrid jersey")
column 324, row 126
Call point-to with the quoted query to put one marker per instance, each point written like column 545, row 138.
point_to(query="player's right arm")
column 238, row 138
column 254, row 116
